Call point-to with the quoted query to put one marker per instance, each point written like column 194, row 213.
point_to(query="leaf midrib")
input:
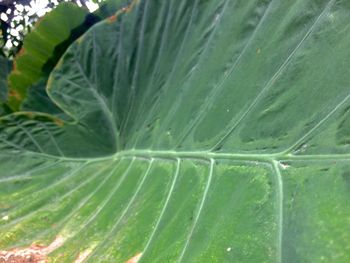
column 203, row 155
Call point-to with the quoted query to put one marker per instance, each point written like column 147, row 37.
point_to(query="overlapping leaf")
column 38, row 52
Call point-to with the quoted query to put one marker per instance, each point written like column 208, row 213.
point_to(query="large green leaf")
column 195, row 131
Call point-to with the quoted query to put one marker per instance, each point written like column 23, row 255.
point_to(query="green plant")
column 17, row 18
column 41, row 50
column 193, row 131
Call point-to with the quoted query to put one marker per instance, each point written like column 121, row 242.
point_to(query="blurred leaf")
column 43, row 47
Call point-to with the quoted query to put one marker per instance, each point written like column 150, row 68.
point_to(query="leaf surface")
column 194, row 131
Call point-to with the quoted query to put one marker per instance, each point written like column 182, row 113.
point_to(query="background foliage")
column 33, row 46
column 19, row 18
